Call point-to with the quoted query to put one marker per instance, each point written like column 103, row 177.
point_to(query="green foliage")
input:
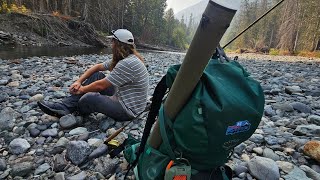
column 179, row 37
column 274, row 52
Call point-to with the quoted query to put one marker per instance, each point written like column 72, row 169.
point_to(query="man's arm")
column 76, row 85
column 96, row 86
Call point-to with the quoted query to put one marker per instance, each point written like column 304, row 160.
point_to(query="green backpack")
column 224, row 110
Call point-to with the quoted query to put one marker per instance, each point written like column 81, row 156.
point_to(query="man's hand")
column 74, row 87
column 79, row 91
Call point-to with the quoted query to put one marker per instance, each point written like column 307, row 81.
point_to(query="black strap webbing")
column 158, row 95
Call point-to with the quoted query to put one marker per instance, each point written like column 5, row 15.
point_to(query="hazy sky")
column 178, row 5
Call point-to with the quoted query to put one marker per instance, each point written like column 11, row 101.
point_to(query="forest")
column 291, row 28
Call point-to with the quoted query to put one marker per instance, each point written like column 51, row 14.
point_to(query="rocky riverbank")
column 37, row 146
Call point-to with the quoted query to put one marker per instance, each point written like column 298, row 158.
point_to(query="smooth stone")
column 37, row 97
column 268, row 111
column 296, row 174
column 238, row 149
column 301, row 107
column 5, row 174
column 307, row 129
column 21, row 169
column 14, row 84
column 268, row 153
column 41, row 140
column 68, row 121
column 105, row 165
column 77, row 151
column 104, row 125
column 101, row 150
column 81, row 176
column 285, row 166
column 257, row 138
column 312, row 174
column 59, row 176
column 284, row 107
column 314, row 119
column 7, row 119
column 19, row 146
column 34, row 132
column 50, row 132
column 62, row 142
column 263, row 168
column 42, row 168
column 3, row 165
column 3, row 97
column 239, row 169
column 95, row 142
column 3, row 82
column 271, row 140
column 316, row 168
column 25, row 109
column 258, row 150
column 78, row 131
column 292, row 89
column 59, row 163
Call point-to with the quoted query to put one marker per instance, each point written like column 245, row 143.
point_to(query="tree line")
column 294, row 26
column 147, row 19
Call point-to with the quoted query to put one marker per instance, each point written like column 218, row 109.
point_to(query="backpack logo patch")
column 241, row 126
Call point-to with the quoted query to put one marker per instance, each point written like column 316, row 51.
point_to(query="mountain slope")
column 196, row 11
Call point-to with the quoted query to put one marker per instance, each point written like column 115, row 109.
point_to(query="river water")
column 7, row 52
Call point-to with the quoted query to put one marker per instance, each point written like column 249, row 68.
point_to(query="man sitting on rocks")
column 121, row 95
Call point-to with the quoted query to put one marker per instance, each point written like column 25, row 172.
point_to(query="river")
column 17, row 52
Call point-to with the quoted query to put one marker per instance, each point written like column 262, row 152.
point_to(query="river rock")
column 19, row 146
column 310, row 172
column 78, row 151
column 59, row 162
column 257, row 138
column 268, row 153
column 81, row 176
column 7, row 119
column 3, row 165
column 68, row 121
column 42, row 168
column 307, row 129
column 285, row 166
column 106, row 165
column 296, row 174
column 312, row 149
column 301, row 107
column 21, row 169
column 50, row 132
column 3, row 97
column 37, row 97
column 292, row 89
column 314, row 119
column 78, row 131
column 102, row 149
column 264, row 168
column 59, row 176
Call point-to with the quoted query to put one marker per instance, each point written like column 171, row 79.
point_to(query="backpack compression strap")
column 158, row 95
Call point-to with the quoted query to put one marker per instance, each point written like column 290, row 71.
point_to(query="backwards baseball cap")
column 122, row 35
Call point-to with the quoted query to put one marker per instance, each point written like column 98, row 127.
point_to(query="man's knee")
column 88, row 98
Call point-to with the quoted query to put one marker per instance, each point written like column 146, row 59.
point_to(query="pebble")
column 19, row 146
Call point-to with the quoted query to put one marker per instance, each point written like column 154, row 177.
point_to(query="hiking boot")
column 53, row 109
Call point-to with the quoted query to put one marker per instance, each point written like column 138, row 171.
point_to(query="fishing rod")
column 256, row 21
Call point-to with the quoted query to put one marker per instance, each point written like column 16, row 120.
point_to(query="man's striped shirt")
column 131, row 78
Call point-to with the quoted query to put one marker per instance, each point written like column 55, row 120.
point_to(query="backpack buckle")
column 178, row 169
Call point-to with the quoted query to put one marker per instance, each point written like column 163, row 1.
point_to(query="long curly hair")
column 122, row 50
